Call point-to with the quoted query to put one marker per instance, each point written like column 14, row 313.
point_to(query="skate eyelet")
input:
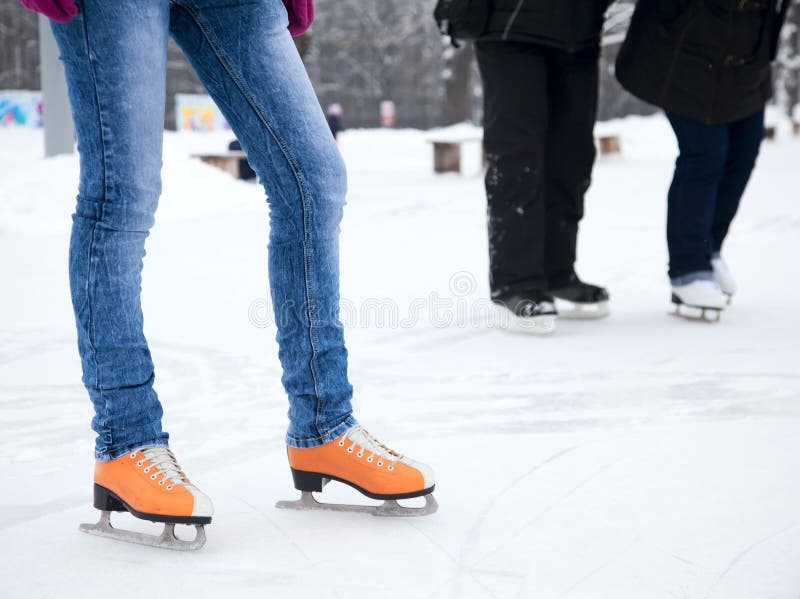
column 153, row 476
column 169, row 487
column 161, row 482
column 360, row 454
column 341, row 443
column 349, row 450
column 147, row 469
column 369, row 459
column 380, row 463
column 390, row 468
column 133, row 455
column 139, row 463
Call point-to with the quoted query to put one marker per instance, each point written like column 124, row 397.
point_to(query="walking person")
column 334, row 117
column 115, row 58
column 707, row 64
column 538, row 61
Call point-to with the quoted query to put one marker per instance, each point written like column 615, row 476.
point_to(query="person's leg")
column 745, row 137
column 515, row 127
column 246, row 59
column 243, row 53
column 115, row 63
column 572, row 82
column 692, row 197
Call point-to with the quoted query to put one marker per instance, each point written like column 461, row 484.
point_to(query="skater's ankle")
column 692, row 277
column 513, row 298
column 563, row 280
column 302, row 438
column 107, row 455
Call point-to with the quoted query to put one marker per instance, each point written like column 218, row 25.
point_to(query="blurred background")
column 360, row 53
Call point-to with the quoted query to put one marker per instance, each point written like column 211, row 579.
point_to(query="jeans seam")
column 89, row 269
column 97, row 104
column 304, row 202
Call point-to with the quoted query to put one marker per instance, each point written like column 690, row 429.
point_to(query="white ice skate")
column 723, row 277
column 699, row 300
column 580, row 300
column 523, row 315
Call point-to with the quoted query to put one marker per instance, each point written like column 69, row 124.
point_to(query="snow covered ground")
column 640, row 456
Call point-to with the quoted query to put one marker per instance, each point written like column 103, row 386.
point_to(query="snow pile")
column 38, row 195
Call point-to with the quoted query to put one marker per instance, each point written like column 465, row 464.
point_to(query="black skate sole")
column 108, row 501
column 313, row 482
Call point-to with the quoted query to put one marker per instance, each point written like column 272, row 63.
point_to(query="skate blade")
column 575, row 311
column 536, row 325
column 166, row 540
column 697, row 313
column 389, row 508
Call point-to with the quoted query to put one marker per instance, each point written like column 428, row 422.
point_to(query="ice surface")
column 640, row 456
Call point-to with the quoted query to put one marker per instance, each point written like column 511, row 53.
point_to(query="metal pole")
column 59, row 132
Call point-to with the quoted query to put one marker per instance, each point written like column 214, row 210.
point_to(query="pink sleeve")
column 301, row 15
column 60, row 11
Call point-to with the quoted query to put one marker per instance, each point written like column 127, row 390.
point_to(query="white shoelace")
column 360, row 437
column 163, row 461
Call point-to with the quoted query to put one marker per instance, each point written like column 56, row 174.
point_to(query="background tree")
column 459, row 64
column 787, row 65
column 361, row 52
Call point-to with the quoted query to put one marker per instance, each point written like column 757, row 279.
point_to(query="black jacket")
column 704, row 59
column 571, row 25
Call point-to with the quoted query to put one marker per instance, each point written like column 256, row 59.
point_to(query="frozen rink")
column 637, row 457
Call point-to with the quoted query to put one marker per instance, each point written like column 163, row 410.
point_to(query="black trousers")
column 540, row 109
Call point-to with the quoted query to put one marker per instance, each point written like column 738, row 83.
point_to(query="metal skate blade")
column 389, row 507
column 697, row 313
column 571, row 310
column 535, row 325
column 392, row 508
column 166, row 540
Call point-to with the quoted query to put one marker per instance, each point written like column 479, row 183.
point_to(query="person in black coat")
column 538, row 61
column 707, row 64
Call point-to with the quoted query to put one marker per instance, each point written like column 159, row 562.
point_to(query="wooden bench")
column 447, row 154
column 609, row 144
column 448, row 158
column 226, row 161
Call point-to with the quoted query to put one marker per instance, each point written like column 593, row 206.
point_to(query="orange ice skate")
column 148, row 483
column 361, row 461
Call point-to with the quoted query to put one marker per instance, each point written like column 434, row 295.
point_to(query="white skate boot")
column 723, row 277
column 534, row 314
column 699, row 300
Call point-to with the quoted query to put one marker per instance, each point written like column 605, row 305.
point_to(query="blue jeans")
column 711, row 173
column 115, row 58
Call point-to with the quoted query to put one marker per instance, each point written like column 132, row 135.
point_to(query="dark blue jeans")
column 711, row 174
column 115, row 58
